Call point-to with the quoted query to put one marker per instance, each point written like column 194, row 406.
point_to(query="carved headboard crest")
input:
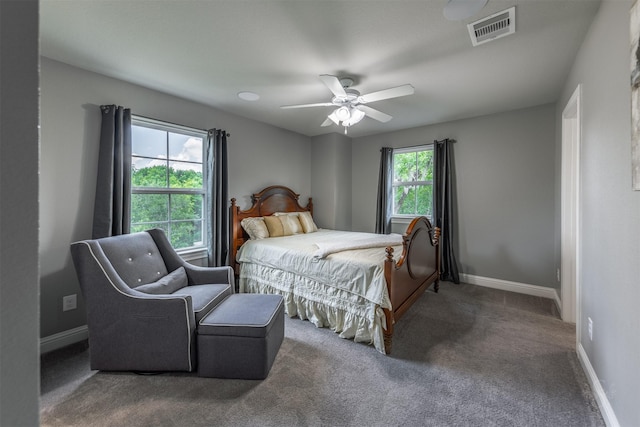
column 272, row 199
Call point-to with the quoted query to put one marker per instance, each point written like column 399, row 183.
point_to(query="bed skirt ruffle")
column 350, row 316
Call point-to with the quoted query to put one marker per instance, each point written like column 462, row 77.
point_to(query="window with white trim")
column 168, row 177
column 413, row 182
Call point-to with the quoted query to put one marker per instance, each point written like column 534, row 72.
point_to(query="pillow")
column 255, row 228
column 290, row 224
column 274, row 225
column 170, row 283
column 306, row 220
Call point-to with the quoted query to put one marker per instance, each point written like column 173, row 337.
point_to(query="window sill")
column 193, row 253
column 404, row 219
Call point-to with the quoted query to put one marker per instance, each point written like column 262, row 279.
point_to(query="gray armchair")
column 143, row 301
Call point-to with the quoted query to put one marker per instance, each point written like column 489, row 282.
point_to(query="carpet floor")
column 466, row 356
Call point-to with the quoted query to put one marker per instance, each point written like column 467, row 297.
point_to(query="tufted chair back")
column 135, row 257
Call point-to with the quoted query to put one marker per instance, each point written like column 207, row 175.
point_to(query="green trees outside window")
column 179, row 215
column 413, row 182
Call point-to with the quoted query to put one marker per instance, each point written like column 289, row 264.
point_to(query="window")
column 413, row 182
column 168, row 181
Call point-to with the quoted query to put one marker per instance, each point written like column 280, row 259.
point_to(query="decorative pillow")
column 306, row 220
column 274, row 225
column 170, row 283
column 255, row 228
column 291, row 224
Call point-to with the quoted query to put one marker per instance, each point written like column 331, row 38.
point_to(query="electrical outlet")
column 558, row 274
column 70, row 302
column 590, row 328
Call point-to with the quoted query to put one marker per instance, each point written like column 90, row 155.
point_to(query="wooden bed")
column 407, row 277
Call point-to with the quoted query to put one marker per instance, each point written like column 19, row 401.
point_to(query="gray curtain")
column 218, row 209
column 384, row 210
column 444, row 207
column 112, row 206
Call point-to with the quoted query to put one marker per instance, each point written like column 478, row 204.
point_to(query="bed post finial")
column 389, row 251
column 233, row 201
column 436, row 236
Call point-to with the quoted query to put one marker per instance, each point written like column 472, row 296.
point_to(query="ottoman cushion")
column 243, row 315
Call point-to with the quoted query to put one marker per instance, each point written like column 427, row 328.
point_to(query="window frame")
column 407, row 218
column 194, row 251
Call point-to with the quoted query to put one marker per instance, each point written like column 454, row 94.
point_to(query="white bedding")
column 344, row 290
column 333, row 246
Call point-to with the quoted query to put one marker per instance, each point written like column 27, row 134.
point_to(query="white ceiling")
column 208, row 51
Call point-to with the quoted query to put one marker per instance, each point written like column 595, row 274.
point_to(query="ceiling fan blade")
column 375, row 114
column 327, row 122
column 319, row 104
column 334, row 85
column 393, row 92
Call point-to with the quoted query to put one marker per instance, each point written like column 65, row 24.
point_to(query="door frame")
column 570, row 210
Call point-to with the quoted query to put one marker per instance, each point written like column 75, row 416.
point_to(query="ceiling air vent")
column 493, row 27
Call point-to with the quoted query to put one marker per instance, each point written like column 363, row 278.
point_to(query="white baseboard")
column 505, row 285
column 601, row 397
column 64, row 338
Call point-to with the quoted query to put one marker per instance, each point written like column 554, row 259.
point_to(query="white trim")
column 601, row 397
column 168, row 126
column 193, row 254
column 402, row 219
column 570, row 209
column 415, row 148
column 505, row 285
column 63, row 339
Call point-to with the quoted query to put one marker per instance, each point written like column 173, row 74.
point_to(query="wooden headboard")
column 272, row 199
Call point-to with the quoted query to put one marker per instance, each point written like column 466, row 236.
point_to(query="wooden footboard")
column 415, row 271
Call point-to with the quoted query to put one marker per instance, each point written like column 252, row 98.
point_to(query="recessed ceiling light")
column 248, row 96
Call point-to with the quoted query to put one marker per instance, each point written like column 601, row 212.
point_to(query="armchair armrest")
column 197, row 275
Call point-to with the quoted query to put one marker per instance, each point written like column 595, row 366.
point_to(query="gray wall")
column 259, row 155
column 610, row 210
column 505, row 190
column 19, row 361
column 331, row 181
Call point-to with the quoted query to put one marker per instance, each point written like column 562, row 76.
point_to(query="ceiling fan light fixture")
column 343, row 114
column 334, row 118
column 356, row 116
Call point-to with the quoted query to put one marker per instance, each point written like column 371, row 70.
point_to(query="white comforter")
column 333, row 246
column 343, row 290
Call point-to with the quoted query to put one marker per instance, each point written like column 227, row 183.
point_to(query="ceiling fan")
column 350, row 105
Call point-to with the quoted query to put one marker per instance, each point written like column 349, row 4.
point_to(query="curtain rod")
column 174, row 124
column 422, row 145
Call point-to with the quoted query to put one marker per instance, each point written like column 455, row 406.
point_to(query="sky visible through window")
column 149, row 148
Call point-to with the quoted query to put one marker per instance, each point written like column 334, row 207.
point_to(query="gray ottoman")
column 240, row 338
